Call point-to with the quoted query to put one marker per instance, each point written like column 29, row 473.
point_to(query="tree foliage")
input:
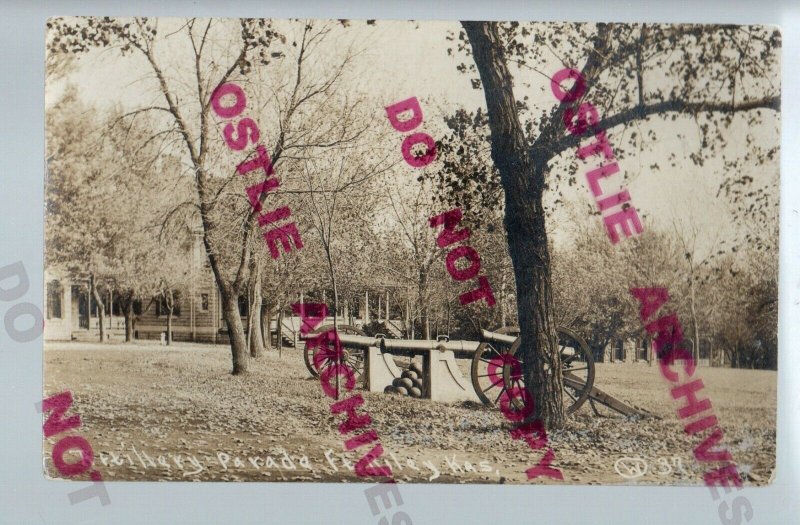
column 636, row 76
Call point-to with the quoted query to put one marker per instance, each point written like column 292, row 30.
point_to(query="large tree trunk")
column 279, row 330
column 523, row 180
column 695, row 324
column 266, row 321
column 503, row 321
column 427, row 319
column 406, row 321
column 266, row 326
column 256, row 337
column 422, row 301
column 101, row 312
column 169, row 301
column 128, row 312
column 169, row 326
column 336, row 306
column 233, row 321
column 334, row 284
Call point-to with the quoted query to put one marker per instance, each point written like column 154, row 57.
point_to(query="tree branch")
column 640, row 112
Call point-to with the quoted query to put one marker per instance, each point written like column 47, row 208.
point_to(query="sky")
column 403, row 59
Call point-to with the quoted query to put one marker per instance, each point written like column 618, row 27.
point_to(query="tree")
column 412, row 254
column 744, row 317
column 81, row 228
column 738, row 62
column 150, row 244
column 339, row 194
column 186, row 112
column 589, row 290
column 281, row 280
column 523, row 182
column 689, row 237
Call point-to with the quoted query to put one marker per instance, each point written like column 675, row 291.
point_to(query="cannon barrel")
column 495, row 337
column 423, row 345
column 360, row 341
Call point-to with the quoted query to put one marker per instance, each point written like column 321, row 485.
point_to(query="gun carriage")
column 440, row 378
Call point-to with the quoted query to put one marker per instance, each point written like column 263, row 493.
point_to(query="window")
column 204, row 302
column 176, row 304
column 54, row 294
column 243, row 306
column 137, row 307
column 161, row 305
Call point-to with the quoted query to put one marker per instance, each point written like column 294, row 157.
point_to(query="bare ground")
column 159, row 413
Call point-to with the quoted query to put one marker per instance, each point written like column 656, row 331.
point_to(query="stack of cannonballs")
column 409, row 383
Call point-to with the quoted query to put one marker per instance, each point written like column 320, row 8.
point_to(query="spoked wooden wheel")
column 487, row 367
column 492, row 362
column 577, row 368
column 487, row 371
column 353, row 357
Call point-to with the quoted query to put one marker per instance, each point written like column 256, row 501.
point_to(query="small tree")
column 186, row 109
column 340, row 200
column 81, row 227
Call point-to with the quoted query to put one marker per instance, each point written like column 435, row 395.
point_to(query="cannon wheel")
column 354, row 357
column 488, row 388
column 577, row 367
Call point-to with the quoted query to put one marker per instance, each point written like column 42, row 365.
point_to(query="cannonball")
column 406, row 382
column 410, row 374
column 416, row 367
column 396, row 381
column 389, row 390
column 418, row 383
column 415, row 392
column 403, row 391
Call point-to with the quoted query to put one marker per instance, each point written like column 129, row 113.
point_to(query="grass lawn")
column 175, row 413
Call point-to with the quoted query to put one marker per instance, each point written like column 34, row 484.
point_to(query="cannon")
column 441, row 378
column 577, row 371
column 373, row 361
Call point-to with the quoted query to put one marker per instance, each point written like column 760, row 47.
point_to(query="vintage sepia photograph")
column 411, row 251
